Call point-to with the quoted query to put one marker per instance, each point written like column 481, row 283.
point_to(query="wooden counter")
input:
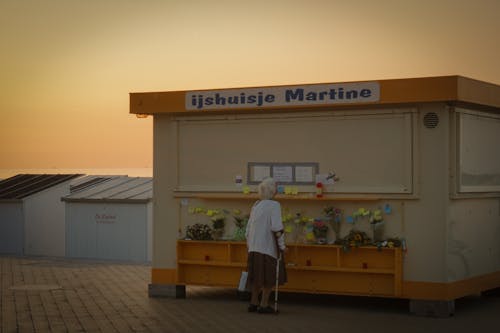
column 365, row 271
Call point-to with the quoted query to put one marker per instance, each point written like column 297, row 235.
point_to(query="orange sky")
column 67, row 66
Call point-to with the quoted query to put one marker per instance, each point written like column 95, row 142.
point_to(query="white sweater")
column 264, row 221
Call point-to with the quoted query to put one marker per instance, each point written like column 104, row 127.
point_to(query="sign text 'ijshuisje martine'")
column 276, row 97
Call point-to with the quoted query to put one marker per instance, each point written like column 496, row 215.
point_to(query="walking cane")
column 277, row 283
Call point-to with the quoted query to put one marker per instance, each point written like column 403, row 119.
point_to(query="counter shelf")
column 364, row 271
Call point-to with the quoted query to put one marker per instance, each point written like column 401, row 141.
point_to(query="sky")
column 67, row 66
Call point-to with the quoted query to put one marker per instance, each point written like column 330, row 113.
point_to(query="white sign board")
column 319, row 94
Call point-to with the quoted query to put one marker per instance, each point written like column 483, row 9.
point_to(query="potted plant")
column 334, row 217
column 377, row 224
column 355, row 238
column 218, row 224
column 320, row 230
column 241, row 223
column 199, row 231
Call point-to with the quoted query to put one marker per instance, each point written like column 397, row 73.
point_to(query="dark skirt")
column 262, row 271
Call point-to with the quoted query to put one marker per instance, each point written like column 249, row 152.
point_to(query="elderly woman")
column 265, row 242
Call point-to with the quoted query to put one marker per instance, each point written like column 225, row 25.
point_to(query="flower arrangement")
column 391, row 243
column 218, row 221
column 240, row 221
column 300, row 228
column 355, row 238
column 303, row 223
column 334, row 216
column 320, row 230
column 361, row 213
column 288, row 222
column 217, row 217
column 377, row 223
column 296, row 226
column 302, row 219
column 199, row 231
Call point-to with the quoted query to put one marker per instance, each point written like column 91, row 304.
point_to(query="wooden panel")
column 205, row 144
column 311, row 268
column 239, row 253
column 382, row 285
column 209, row 275
column 328, row 282
column 315, row 256
column 368, row 258
column 163, row 275
column 204, row 251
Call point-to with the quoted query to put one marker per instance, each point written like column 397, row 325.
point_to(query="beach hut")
column 419, row 154
column 32, row 214
column 109, row 218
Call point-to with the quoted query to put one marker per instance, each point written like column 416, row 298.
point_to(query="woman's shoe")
column 253, row 308
column 266, row 309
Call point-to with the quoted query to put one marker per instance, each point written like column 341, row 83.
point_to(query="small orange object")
column 319, row 190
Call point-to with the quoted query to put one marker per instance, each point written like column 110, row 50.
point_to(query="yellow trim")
column 424, row 290
column 451, row 290
column 163, row 275
column 435, row 89
column 394, row 91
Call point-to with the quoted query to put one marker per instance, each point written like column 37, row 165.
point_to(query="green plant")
column 240, row 222
column 355, row 238
column 218, row 221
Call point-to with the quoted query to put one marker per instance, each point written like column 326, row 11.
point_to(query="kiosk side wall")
column 165, row 208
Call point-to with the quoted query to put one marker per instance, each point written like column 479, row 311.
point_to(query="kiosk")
column 419, row 155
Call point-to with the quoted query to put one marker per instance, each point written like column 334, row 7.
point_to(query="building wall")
column 473, row 242
column 425, row 218
column 11, row 228
column 44, row 222
column 114, row 231
column 165, row 207
column 423, row 210
column 149, row 218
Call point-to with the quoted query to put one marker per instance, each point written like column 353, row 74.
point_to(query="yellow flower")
column 306, row 219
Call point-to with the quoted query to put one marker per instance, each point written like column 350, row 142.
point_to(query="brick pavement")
column 60, row 295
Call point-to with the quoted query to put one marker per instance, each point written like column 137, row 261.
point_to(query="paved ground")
column 59, row 295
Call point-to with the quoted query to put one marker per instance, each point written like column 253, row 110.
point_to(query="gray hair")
column 267, row 189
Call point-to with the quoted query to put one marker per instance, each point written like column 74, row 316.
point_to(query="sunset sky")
column 67, row 66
